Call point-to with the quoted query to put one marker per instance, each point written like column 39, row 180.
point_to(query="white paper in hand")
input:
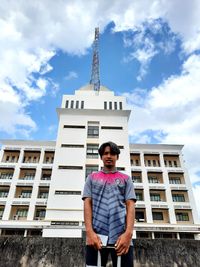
column 104, row 239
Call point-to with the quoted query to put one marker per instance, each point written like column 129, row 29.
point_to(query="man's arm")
column 92, row 239
column 123, row 243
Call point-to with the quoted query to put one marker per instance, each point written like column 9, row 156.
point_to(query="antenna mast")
column 95, row 62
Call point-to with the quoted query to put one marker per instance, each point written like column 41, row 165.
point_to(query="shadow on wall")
column 62, row 252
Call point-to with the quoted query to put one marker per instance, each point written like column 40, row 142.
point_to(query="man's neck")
column 112, row 169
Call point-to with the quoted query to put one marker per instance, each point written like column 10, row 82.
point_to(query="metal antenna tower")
column 95, row 62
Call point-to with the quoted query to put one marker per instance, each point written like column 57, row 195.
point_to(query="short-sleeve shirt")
column 108, row 192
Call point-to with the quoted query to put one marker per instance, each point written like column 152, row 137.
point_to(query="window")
column 40, row 213
column 61, row 167
column 139, row 196
column 43, row 194
column 3, row 193
column 175, row 180
column 178, row 197
column 1, row 213
column 77, row 104
column 6, row 175
column 120, row 105
column 46, row 176
column 72, row 104
column 120, row 168
column 93, row 131
column 182, row 216
column 82, row 104
column 105, row 105
column 92, row 151
column 153, row 180
column 72, row 145
column 91, row 168
column 139, row 215
column 111, row 128
column 69, row 223
column 155, row 197
column 157, row 216
column 136, row 179
column 28, row 176
column 26, row 193
column 137, row 162
column 74, row 126
column 22, row 212
column 115, row 105
column 67, row 104
column 110, row 105
column 57, row 192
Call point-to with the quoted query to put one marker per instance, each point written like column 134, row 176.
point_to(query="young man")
column 109, row 201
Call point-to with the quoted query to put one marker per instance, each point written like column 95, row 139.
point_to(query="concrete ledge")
column 65, row 252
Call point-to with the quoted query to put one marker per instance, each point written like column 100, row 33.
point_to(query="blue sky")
column 149, row 52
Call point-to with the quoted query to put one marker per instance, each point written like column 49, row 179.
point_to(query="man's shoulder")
column 96, row 174
column 122, row 175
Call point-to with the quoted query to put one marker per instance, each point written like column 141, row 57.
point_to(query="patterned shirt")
column 109, row 191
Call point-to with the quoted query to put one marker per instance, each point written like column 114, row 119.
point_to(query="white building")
column 41, row 183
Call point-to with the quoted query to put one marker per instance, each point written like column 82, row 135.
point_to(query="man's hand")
column 92, row 239
column 123, row 243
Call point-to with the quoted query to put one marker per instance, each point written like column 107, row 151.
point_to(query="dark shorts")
column 91, row 257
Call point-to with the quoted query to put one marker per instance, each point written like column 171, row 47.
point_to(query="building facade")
column 41, row 183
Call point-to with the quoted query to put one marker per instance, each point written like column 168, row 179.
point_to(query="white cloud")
column 170, row 112
column 71, row 75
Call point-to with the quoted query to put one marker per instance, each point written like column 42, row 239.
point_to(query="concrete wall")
column 61, row 252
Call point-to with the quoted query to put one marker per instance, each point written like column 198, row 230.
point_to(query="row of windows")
column 74, row 104
column 29, row 157
column 154, row 160
column 181, row 216
column 93, row 131
column 25, row 174
column 157, row 178
column 18, row 213
column 62, row 192
column 23, row 192
column 112, row 105
column 68, row 223
column 88, row 169
column 158, row 197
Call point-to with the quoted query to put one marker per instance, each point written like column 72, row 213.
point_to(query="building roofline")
column 28, row 142
column 156, row 146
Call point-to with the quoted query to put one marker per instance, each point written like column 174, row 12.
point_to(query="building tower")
column 95, row 62
column 86, row 120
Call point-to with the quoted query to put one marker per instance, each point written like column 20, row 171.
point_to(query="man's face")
column 109, row 160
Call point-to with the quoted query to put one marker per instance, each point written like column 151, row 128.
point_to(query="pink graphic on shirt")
column 109, row 177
